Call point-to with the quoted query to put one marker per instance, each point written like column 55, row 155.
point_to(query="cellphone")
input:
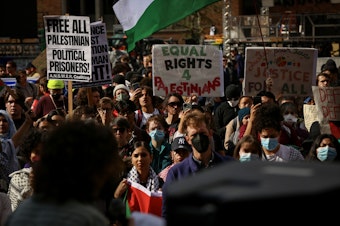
column 187, row 106
column 135, row 85
column 257, row 100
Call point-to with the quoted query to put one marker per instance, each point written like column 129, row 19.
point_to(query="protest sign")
column 292, row 71
column 68, row 48
column 40, row 62
column 327, row 101
column 187, row 69
column 101, row 65
column 310, row 115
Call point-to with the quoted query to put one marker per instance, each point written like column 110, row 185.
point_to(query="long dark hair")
column 312, row 155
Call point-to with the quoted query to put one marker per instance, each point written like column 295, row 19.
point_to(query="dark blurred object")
column 117, row 213
column 119, row 79
column 251, row 188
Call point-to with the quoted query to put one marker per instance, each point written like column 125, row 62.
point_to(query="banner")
column 187, row 69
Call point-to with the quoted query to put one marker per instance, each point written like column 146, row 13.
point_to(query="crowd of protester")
column 76, row 162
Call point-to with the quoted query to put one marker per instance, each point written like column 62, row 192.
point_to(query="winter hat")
column 243, row 112
column 232, row 91
column 120, row 86
column 330, row 65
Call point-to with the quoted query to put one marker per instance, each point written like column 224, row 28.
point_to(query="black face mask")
column 201, row 142
column 56, row 96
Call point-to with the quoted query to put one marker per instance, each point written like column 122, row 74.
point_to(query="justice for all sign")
column 68, row 48
column 292, row 71
column 187, row 69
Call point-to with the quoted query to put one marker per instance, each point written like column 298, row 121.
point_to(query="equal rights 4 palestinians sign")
column 187, row 69
column 68, row 48
column 292, row 70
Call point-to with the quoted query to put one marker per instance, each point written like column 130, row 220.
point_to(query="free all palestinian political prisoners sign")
column 187, row 69
column 280, row 70
column 68, row 48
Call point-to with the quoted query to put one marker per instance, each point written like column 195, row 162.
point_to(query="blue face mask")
column 269, row 143
column 326, row 153
column 157, row 135
column 247, row 157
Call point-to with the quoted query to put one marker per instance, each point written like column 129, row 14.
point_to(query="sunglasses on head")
column 173, row 104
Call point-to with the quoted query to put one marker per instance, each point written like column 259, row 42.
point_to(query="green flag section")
column 142, row 18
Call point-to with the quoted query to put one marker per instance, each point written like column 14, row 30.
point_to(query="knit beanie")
column 243, row 112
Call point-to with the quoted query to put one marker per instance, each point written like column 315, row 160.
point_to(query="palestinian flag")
column 142, row 18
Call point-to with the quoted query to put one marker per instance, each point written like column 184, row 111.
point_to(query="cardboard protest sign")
column 327, row 101
column 292, row 71
column 187, row 69
column 68, row 48
column 310, row 115
column 40, row 62
column 101, row 65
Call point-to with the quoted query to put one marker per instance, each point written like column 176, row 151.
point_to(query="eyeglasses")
column 11, row 102
column 173, row 104
column 121, row 130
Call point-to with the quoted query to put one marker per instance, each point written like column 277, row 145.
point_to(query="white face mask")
column 290, row 118
column 233, row 103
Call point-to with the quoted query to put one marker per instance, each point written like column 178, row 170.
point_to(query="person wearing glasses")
column 172, row 105
column 15, row 106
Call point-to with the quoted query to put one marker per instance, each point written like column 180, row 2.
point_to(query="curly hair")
column 268, row 116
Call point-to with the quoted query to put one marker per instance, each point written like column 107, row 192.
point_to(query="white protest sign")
column 101, row 65
column 68, row 48
column 187, row 69
column 292, row 70
column 310, row 115
column 327, row 101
